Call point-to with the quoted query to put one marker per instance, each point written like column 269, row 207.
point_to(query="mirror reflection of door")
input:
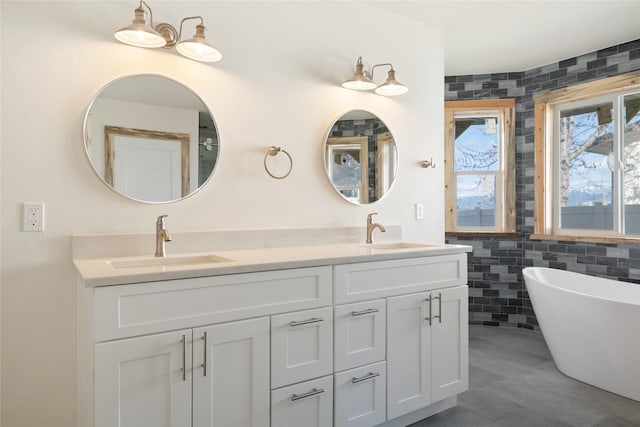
column 147, row 165
column 147, row 169
column 386, row 163
column 354, row 174
column 348, row 166
column 360, row 157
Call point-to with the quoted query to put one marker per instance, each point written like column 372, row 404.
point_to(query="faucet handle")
column 160, row 219
column 369, row 217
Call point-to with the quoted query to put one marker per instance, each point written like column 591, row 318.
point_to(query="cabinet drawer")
column 380, row 279
column 143, row 308
column 360, row 396
column 301, row 346
column 359, row 334
column 308, row 404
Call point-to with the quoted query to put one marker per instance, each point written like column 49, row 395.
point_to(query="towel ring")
column 273, row 151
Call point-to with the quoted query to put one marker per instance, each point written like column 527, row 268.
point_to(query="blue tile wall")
column 497, row 295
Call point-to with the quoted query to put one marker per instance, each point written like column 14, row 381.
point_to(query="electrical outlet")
column 419, row 211
column 33, row 217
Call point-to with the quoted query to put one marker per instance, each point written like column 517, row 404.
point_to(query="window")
column 588, row 160
column 480, row 166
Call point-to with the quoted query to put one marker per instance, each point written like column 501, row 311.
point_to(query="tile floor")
column 513, row 382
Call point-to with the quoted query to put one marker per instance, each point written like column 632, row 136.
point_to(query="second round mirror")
column 360, row 157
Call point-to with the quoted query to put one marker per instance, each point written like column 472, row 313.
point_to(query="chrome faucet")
column 162, row 236
column 371, row 226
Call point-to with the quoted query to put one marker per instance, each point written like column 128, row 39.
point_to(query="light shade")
column 391, row 87
column 359, row 80
column 139, row 34
column 198, row 48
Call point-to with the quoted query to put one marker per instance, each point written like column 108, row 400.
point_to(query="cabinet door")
column 308, row 404
column 359, row 334
column 450, row 342
column 231, row 374
column 301, row 346
column 408, row 354
column 144, row 381
column 360, row 396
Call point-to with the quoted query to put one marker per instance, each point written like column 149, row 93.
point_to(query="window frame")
column 546, row 222
column 505, row 177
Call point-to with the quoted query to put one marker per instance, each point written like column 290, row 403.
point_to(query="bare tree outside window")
column 588, row 165
column 587, row 157
column 586, row 180
column 476, row 165
column 631, row 180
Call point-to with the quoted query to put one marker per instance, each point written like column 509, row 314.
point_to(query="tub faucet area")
column 372, row 226
column 162, row 236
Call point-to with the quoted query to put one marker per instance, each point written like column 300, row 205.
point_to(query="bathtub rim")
column 529, row 271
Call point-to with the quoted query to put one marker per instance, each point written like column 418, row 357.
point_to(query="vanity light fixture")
column 363, row 80
column 141, row 34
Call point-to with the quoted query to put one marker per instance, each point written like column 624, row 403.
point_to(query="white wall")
column 278, row 84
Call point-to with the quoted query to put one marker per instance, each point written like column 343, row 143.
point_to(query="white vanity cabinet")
column 339, row 343
column 144, row 381
column 222, row 370
column 231, row 374
column 426, row 360
column 190, row 352
column 427, row 348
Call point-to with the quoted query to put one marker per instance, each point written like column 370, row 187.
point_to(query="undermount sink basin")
column 399, row 245
column 170, row 261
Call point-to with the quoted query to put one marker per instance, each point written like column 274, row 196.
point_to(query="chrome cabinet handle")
column 367, row 311
column 184, row 357
column 306, row 322
column 439, row 316
column 369, row 376
column 204, row 365
column 428, row 317
column 313, row 392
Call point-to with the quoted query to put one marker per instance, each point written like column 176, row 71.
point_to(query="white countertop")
column 100, row 272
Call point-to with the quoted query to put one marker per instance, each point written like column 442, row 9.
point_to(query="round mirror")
column 150, row 138
column 360, row 157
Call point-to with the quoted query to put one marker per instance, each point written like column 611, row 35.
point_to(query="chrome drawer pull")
column 439, row 316
column 428, row 317
column 204, row 365
column 369, row 376
column 313, row 392
column 367, row 311
column 306, row 322
column 184, row 357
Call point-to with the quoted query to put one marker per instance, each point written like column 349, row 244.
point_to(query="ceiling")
column 517, row 35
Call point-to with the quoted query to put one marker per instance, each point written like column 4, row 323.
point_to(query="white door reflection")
column 147, row 165
column 148, row 169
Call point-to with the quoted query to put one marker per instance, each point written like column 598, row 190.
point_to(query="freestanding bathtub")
column 591, row 325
